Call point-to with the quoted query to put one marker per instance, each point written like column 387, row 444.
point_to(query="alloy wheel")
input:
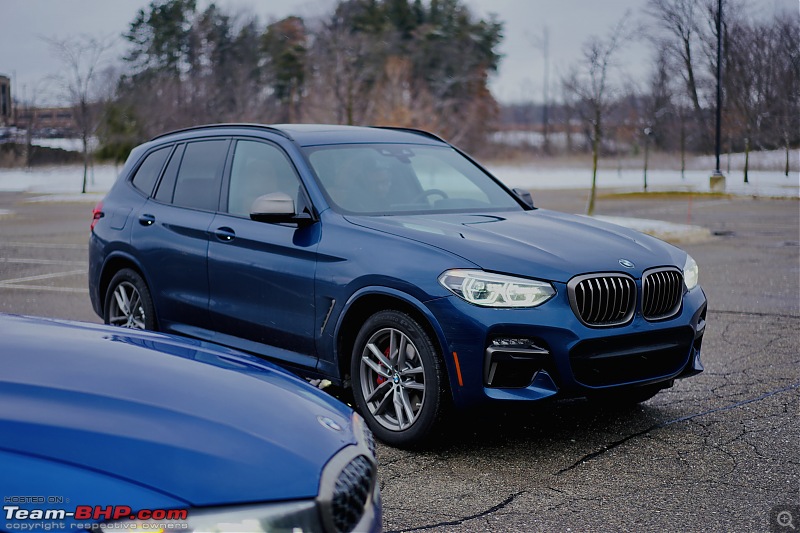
column 392, row 379
column 127, row 309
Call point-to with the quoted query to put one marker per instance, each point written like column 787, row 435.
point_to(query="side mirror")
column 524, row 195
column 273, row 207
column 278, row 207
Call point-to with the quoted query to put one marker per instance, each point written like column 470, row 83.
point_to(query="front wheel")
column 397, row 379
column 128, row 302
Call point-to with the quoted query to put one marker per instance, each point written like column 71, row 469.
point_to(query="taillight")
column 97, row 214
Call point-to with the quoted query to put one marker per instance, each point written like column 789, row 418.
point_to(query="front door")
column 261, row 275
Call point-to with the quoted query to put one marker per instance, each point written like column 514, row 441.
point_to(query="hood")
column 539, row 244
column 194, row 421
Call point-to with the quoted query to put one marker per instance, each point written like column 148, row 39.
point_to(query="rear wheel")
column 128, row 302
column 397, row 378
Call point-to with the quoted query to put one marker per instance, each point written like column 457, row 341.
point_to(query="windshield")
column 391, row 179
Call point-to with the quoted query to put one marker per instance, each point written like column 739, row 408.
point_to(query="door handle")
column 147, row 220
column 225, row 234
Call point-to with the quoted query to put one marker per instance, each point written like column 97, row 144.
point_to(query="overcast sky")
column 26, row 57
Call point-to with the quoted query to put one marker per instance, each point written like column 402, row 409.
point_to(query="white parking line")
column 44, row 245
column 14, row 283
column 41, row 276
column 43, row 288
column 41, row 261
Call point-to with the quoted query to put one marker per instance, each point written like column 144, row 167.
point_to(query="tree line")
column 673, row 110
column 426, row 64
column 391, row 62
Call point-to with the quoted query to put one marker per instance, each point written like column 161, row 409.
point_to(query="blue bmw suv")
column 388, row 261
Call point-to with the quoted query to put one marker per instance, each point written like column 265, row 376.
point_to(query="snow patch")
column 58, row 179
column 667, row 231
column 761, row 183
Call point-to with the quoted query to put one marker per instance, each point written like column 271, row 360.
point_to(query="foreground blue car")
column 388, row 261
column 103, row 425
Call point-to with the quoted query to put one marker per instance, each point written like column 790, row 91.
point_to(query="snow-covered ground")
column 68, row 144
column 761, row 183
column 763, row 160
column 59, row 183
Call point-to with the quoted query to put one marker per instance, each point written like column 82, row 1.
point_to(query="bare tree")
column 348, row 68
column 82, row 59
column 30, row 116
column 591, row 86
column 787, row 81
column 678, row 21
column 543, row 43
column 763, row 83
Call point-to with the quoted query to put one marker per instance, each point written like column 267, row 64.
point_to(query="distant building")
column 44, row 120
column 6, row 111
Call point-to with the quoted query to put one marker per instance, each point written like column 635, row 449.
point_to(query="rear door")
column 261, row 274
column 171, row 234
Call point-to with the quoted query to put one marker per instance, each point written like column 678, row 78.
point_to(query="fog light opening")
column 513, row 362
column 517, row 342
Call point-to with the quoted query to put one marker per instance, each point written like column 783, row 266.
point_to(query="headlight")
column 285, row 516
column 690, row 272
column 496, row 290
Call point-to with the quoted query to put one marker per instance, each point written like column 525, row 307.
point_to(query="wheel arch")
column 368, row 301
column 113, row 264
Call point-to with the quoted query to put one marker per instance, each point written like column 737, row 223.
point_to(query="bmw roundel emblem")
column 626, row 263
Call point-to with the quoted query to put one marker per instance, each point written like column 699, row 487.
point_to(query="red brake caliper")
column 380, row 379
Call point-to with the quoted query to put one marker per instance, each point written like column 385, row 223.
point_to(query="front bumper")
column 532, row 354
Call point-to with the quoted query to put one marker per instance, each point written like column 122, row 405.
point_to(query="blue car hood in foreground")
column 186, row 419
column 539, row 244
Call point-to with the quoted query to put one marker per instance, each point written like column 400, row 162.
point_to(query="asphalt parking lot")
column 718, row 452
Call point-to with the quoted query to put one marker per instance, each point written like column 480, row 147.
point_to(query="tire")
column 128, row 302
column 401, row 400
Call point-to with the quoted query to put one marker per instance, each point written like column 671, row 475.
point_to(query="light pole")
column 717, row 180
column 648, row 132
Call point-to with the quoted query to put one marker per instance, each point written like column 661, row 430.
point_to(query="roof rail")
column 227, row 125
column 414, row 131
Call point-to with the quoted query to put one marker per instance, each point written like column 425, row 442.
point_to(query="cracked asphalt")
column 717, row 452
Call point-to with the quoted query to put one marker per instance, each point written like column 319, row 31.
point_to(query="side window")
column 167, row 186
column 259, row 168
column 148, row 171
column 200, row 175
